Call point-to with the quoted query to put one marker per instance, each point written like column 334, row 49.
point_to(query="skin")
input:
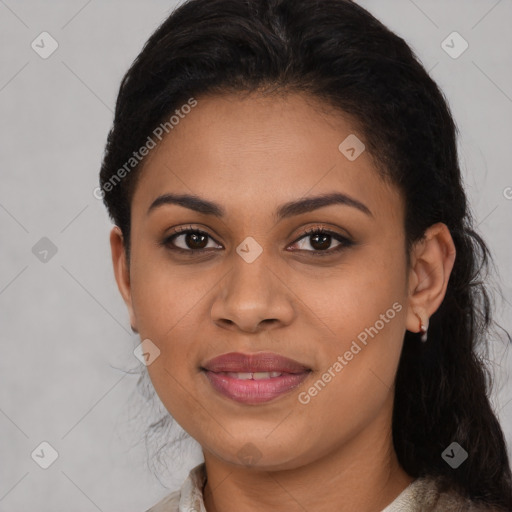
column 250, row 155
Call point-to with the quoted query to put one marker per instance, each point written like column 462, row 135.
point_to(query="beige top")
column 420, row 496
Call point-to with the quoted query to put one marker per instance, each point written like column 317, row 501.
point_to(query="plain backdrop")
column 63, row 326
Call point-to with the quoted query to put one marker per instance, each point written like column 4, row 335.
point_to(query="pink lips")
column 221, row 373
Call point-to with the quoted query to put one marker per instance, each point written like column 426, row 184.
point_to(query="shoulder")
column 433, row 494
column 168, row 504
column 189, row 497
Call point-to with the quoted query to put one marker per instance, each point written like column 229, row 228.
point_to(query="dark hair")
column 337, row 52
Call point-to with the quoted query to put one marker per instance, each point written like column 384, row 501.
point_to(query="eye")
column 320, row 241
column 188, row 239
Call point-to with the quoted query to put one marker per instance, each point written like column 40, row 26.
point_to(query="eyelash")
column 344, row 242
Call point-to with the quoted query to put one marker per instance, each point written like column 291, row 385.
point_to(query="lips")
column 235, row 362
column 254, row 378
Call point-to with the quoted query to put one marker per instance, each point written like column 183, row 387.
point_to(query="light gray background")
column 64, row 327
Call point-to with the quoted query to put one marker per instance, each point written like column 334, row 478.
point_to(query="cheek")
column 168, row 307
column 363, row 307
column 355, row 380
column 162, row 293
column 355, row 295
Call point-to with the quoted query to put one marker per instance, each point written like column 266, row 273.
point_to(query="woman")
column 295, row 249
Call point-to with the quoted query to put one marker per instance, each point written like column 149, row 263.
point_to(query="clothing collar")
column 191, row 498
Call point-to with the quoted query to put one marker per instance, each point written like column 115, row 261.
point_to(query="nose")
column 253, row 297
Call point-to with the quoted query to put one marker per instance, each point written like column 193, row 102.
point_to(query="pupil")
column 192, row 240
column 323, row 245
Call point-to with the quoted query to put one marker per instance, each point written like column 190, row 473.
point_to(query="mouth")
column 254, row 378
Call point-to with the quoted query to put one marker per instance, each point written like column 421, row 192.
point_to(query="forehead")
column 251, row 151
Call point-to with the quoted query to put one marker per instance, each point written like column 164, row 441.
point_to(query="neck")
column 362, row 474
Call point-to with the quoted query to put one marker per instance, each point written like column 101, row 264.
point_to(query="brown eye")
column 320, row 241
column 195, row 240
column 190, row 240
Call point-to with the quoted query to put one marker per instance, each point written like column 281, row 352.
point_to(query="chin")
column 261, row 454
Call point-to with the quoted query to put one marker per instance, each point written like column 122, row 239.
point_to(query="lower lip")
column 254, row 391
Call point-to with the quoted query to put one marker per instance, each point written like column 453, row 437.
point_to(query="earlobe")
column 432, row 261
column 122, row 271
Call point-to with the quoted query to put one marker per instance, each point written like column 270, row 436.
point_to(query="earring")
column 423, row 330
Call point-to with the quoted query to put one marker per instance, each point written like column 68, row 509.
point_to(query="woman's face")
column 257, row 282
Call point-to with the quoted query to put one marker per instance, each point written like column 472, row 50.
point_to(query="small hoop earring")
column 423, row 330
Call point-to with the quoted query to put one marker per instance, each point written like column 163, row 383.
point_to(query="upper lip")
column 259, row 362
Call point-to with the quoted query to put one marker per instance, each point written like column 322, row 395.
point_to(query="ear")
column 122, row 271
column 432, row 260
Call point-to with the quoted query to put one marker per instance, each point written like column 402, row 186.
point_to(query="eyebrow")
column 286, row 210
